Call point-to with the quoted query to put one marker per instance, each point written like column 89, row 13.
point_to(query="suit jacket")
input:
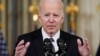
column 98, row 52
column 36, row 40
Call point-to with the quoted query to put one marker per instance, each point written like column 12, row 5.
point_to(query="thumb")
column 79, row 42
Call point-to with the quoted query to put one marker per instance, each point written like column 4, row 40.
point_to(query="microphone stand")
column 63, row 53
column 48, row 53
column 48, row 48
column 62, row 47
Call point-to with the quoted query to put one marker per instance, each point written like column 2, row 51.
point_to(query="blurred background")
column 82, row 18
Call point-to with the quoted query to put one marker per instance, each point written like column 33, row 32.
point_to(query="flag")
column 3, row 46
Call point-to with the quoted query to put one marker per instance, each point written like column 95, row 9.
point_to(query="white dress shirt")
column 55, row 37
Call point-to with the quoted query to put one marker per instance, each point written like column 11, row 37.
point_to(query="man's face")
column 51, row 17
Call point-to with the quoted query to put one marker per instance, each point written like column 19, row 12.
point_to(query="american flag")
column 3, row 46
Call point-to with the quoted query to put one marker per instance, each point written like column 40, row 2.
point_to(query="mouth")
column 51, row 27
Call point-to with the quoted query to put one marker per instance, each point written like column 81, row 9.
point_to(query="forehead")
column 51, row 6
column 50, row 1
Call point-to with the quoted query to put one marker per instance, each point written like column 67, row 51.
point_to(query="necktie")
column 52, row 40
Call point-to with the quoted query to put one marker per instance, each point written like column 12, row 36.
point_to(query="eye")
column 46, row 15
column 56, row 15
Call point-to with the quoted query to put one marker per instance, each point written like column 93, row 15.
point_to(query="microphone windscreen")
column 47, row 44
column 62, row 45
column 60, row 42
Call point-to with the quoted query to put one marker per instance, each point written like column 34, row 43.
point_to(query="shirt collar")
column 55, row 37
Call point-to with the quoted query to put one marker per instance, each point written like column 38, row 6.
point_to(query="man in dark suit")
column 51, row 17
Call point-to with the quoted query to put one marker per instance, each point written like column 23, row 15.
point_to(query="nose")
column 51, row 19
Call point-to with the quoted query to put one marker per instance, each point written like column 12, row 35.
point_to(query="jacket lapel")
column 63, row 35
column 39, row 43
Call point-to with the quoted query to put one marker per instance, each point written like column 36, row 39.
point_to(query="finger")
column 21, row 43
column 20, row 51
column 19, row 47
column 27, row 45
column 87, row 43
column 25, row 48
column 79, row 42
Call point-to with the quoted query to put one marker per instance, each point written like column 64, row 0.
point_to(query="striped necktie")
column 53, row 49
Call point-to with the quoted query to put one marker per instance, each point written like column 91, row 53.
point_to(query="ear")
column 62, row 20
column 39, row 19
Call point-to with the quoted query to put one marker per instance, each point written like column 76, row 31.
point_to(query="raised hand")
column 84, row 49
column 21, row 48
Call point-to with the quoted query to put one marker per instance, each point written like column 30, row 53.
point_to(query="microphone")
column 48, row 47
column 62, row 47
